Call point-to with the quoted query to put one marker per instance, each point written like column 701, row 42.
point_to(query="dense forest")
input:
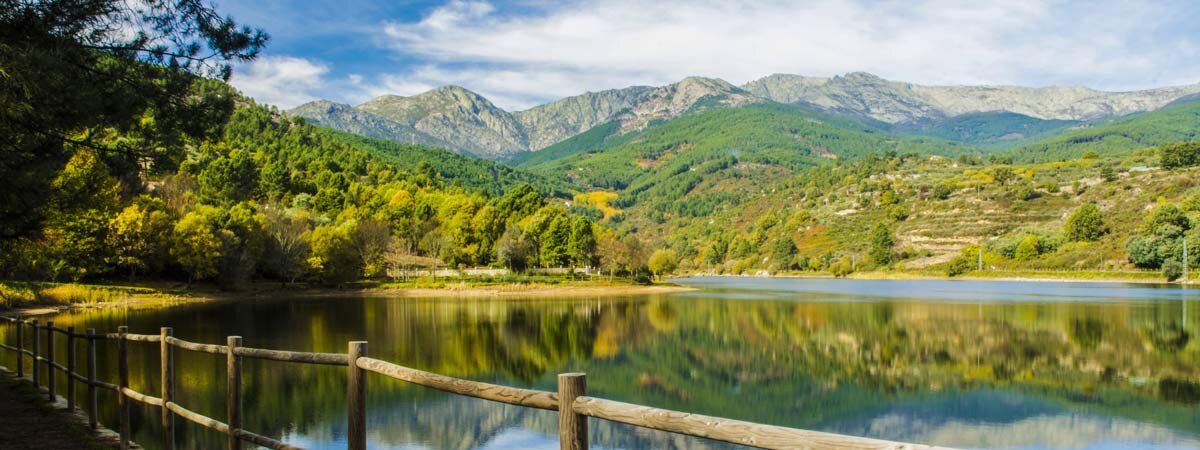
column 267, row 196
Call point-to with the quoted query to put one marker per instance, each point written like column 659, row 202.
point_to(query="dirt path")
column 28, row 422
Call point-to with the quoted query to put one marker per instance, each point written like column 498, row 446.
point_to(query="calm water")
column 965, row 364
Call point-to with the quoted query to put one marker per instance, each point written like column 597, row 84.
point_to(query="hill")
column 989, row 130
column 1179, row 121
column 264, row 196
column 693, row 164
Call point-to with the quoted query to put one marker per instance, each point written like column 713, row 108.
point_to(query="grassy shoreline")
column 37, row 298
column 1094, row 276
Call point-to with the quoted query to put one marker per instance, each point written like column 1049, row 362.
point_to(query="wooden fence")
column 571, row 401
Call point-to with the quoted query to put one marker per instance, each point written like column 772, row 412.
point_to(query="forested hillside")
column 262, row 195
column 989, row 130
column 769, row 187
column 693, row 164
column 1121, row 136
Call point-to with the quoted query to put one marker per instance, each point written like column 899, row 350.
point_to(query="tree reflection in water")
column 934, row 372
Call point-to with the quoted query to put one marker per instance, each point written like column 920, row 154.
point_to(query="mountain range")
column 458, row 119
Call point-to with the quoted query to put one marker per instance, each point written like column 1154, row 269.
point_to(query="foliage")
column 783, row 253
column 1118, row 137
column 1028, row 248
column 991, row 130
column 882, row 244
column 1159, row 243
column 1086, row 223
column 663, row 262
column 1172, row 270
column 1179, row 154
column 73, row 71
column 195, row 245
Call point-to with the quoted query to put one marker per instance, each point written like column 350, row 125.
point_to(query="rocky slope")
column 462, row 118
column 867, row 95
column 351, row 120
column 558, row 120
column 467, row 122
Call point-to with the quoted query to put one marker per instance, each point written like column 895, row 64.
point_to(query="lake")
column 972, row 364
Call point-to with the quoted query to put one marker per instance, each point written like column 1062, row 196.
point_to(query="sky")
column 524, row 53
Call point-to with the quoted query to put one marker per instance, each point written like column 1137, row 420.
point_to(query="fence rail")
column 571, row 401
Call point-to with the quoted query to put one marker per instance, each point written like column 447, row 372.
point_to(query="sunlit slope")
column 690, row 164
column 1121, row 136
column 469, row 172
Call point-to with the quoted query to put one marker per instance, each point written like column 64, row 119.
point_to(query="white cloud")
column 522, row 58
column 283, row 81
column 288, row 81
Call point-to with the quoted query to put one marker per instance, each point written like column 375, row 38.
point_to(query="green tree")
column 1180, row 154
column 1027, row 249
column 1172, row 269
column 555, row 239
column 74, row 68
column 514, row 251
column 1166, row 216
column 195, row 245
column 230, row 179
column 243, row 242
column 882, row 245
column 582, row 244
column 140, row 235
column 783, row 253
column 1086, row 223
column 84, row 202
column 663, row 262
column 334, row 260
column 1003, row 175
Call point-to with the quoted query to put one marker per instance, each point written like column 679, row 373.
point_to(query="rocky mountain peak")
column 676, row 99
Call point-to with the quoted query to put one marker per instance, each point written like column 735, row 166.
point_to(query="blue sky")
column 523, row 53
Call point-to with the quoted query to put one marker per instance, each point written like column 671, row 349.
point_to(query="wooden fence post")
column 37, row 352
column 168, row 387
column 572, row 427
column 233, row 386
column 93, row 403
column 70, row 368
column 356, row 399
column 21, row 349
column 122, row 383
column 50, row 384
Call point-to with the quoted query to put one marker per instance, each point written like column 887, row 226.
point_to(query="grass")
column 16, row 294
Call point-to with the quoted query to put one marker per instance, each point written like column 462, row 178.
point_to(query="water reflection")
column 975, row 365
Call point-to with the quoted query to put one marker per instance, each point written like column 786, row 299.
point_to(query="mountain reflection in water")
column 966, row 364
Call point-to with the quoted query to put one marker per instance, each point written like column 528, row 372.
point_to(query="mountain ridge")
column 464, row 121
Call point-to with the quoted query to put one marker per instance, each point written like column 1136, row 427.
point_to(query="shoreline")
column 1014, row 276
column 264, row 291
column 518, row 290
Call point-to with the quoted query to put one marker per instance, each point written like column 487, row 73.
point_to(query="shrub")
column 1085, row 224
column 961, row 264
column 1182, row 154
column 1027, row 249
column 941, row 192
column 1172, row 269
